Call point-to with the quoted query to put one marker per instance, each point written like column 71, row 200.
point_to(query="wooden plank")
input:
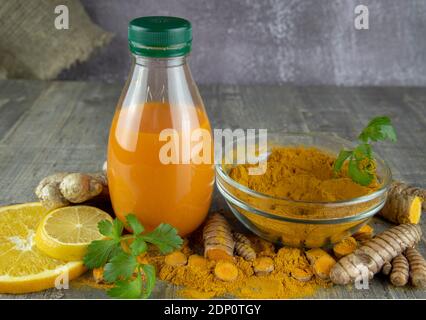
column 63, row 126
column 15, row 98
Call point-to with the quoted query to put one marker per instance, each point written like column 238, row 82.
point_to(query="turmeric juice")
column 176, row 193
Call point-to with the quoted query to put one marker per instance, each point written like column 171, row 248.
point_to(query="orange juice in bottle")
column 160, row 149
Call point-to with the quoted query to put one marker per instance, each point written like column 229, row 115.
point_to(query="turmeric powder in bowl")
column 302, row 174
column 299, row 201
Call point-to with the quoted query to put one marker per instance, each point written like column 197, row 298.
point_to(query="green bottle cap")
column 160, row 37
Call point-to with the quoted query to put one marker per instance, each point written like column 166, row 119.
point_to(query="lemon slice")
column 23, row 267
column 65, row 233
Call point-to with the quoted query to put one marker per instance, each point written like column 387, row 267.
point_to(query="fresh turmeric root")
column 404, row 204
column 314, row 254
column 322, row 267
column 302, row 274
column 417, row 267
column 400, row 271
column 243, row 247
column 387, row 268
column 62, row 189
column 371, row 257
column 226, row 271
column 196, row 261
column 262, row 247
column 263, row 266
column 218, row 240
column 364, row 233
column 345, row 247
column 175, row 259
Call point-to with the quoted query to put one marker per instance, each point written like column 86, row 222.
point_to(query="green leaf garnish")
column 131, row 278
column 100, row 251
column 341, row 158
column 164, row 237
column 378, row 129
column 127, row 289
column 111, row 230
column 361, row 177
column 149, row 273
column 134, row 224
column 361, row 160
column 121, row 266
column 138, row 246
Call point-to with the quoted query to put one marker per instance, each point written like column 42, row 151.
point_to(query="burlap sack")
column 32, row 48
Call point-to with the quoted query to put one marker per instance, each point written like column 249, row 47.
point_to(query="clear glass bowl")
column 301, row 223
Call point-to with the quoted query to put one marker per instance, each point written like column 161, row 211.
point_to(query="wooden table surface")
column 63, row 126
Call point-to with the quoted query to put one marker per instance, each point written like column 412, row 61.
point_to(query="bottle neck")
column 159, row 62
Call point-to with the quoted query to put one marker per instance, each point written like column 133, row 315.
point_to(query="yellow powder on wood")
column 197, row 278
column 202, row 283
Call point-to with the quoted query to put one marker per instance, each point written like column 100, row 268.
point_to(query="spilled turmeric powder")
column 302, row 183
column 291, row 275
column 200, row 281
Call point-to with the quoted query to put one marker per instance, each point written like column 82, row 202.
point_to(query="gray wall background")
column 301, row 42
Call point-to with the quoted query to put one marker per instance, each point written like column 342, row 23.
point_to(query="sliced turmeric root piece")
column 314, row 254
column 364, row 233
column 196, row 261
column 226, row 271
column 322, row 267
column 345, row 247
column 302, row 274
column 404, row 204
column 263, row 266
column 175, row 259
column 321, row 262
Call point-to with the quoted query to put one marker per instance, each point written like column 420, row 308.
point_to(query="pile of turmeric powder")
column 199, row 277
column 302, row 173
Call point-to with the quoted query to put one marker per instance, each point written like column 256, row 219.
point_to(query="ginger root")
column 263, row 266
column 404, row 204
column 345, row 247
column 226, row 271
column 417, row 267
column 243, row 247
column 175, row 259
column 218, row 240
column 61, row 189
column 400, row 271
column 371, row 257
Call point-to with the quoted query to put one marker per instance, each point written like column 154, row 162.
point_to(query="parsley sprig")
column 361, row 164
column 132, row 279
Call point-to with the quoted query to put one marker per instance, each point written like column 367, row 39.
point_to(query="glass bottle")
column 160, row 158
